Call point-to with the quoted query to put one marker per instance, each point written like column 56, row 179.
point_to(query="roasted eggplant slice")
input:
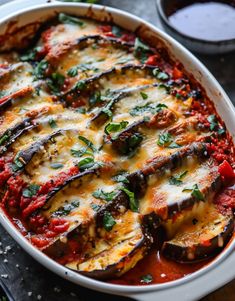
column 172, row 190
column 201, row 236
column 112, row 255
column 89, row 56
column 11, row 83
column 103, row 87
column 91, row 204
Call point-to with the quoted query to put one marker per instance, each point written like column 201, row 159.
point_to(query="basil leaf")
column 146, row 279
column 195, row 192
column 213, row 122
column 18, row 163
column 140, row 46
column 30, row 191
column 80, row 152
column 88, row 143
column 30, row 55
column 108, row 221
column 72, row 72
column 66, row 19
column 144, row 95
column 3, row 139
column 86, row 163
column 39, row 71
column 107, row 196
column 121, row 177
column 95, row 207
column 67, row 208
column 56, row 82
column 177, row 179
column 135, row 140
column 164, row 139
column 80, row 85
column 52, row 123
column 56, row 165
column 115, row 127
column 149, row 107
column 160, row 75
column 132, row 200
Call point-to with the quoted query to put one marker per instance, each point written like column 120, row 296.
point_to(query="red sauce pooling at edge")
column 161, row 269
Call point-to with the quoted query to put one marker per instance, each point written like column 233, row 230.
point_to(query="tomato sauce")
column 160, row 268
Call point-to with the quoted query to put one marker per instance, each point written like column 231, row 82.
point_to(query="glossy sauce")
column 210, row 21
column 160, row 268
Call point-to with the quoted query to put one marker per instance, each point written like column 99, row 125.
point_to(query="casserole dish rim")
column 73, row 276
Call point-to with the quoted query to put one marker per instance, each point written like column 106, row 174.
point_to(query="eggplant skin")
column 125, row 264
column 198, row 251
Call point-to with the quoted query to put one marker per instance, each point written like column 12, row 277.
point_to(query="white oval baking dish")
column 196, row 285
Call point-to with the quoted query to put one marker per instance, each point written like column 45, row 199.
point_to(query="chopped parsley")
column 121, row 177
column 56, row 82
column 18, row 163
column 3, row 139
column 160, row 75
column 134, row 206
column 66, row 19
column 96, row 98
column 39, row 71
column 108, row 221
column 88, row 143
column 52, row 123
column 80, row 152
column 67, row 208
column 86, row 163
column 95, row 207
column 80, row 85
column 177, row 179
column 141, row 50
column 115, row 127
column 164, row 139
column 144, row 95
column 31, row 54
column 149, row 107
column 31, row 190
column 106, row 196
column 195, row 192
column 146, row 279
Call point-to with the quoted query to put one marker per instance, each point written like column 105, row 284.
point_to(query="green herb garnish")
column 86, row 163
column 195, row 192
column 115, row 127
column 3, row 139
column 132, row 200
column 121, row 177
column 106, row 196
column 160, row 75
column 88, row 143
column 164, row 139
column 108, row 221
column 146, row 279
column 66, row 19
column 52, row 123
column 67, row 208
column 149, row 107
column 31, row 190
column 177, row 179
column 39, row 71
